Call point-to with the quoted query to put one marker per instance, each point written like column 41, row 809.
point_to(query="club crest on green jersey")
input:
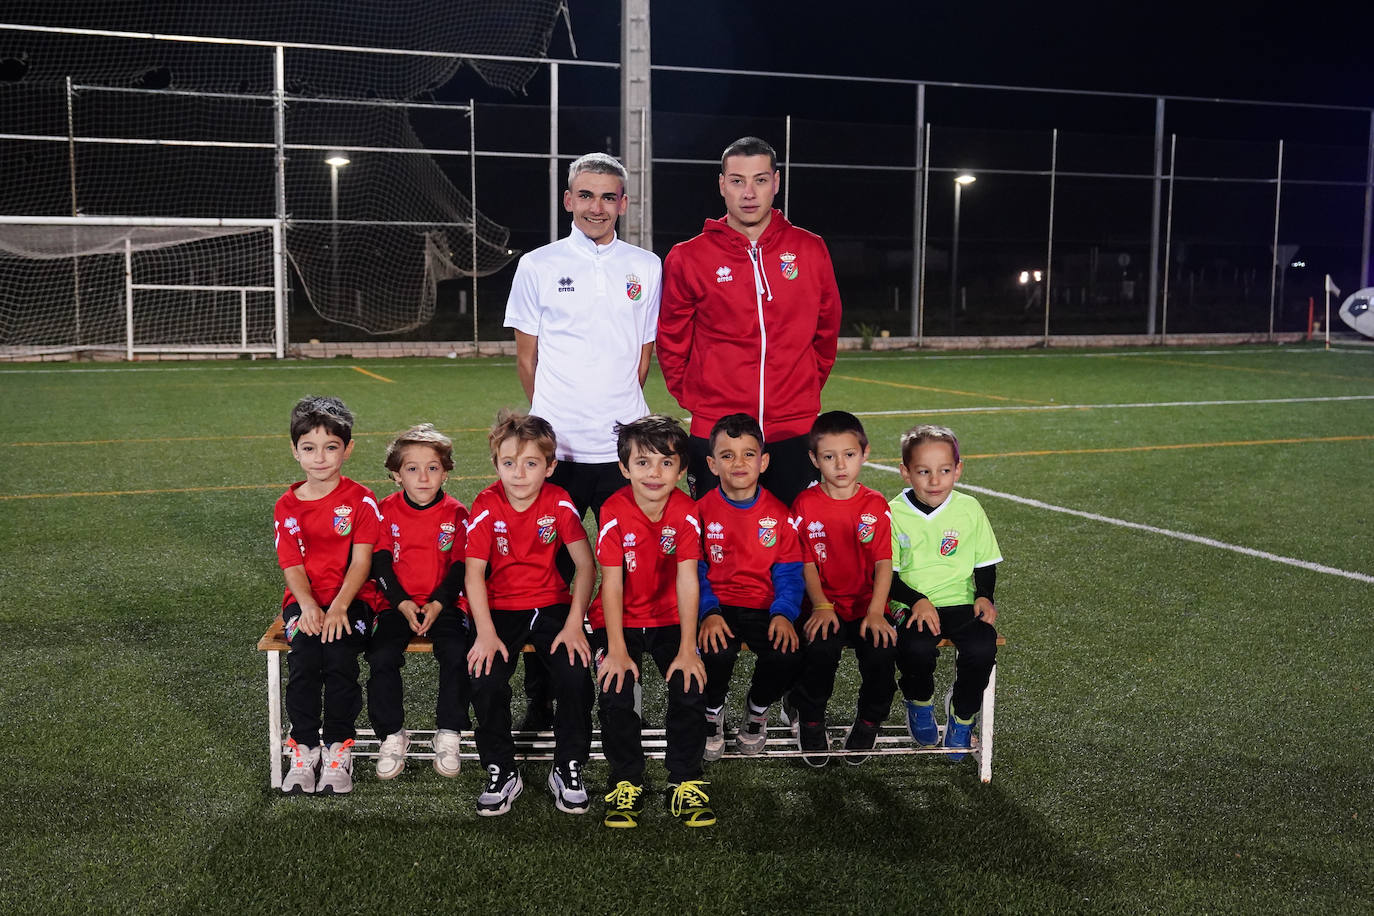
column 949, row 543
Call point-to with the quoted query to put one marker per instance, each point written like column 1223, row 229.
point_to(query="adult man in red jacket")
column 749, row 322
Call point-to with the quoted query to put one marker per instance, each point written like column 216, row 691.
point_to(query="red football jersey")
column 648, row 554
column 741, row 546
column 321, row 534
column 424, row 543
column 845, row 538
column 520, row 546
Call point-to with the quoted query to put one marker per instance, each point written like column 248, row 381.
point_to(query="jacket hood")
column 720, row 232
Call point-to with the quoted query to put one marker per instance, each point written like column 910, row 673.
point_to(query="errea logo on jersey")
column 629, row 540
column 715, row 531
column 815, row 530
column 723, row 275
column 565, row 285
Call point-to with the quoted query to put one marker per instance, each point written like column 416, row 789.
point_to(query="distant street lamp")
column 335, row 161
column 959, row 182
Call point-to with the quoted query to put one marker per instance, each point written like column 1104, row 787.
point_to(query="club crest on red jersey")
column 667, row 539
column 949, row 543
column 789, row 265
column 866, row 523
column 633, row 289
column 818, row 549
column 631, row 562
column 547, row 532
column 343, row 521
column 717, row 553
column 768, row 531
column 446, row 530
column 502, row 546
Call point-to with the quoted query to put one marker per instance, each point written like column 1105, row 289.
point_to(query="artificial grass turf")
column 1179, row 727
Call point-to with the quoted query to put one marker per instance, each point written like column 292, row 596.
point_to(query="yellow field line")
column 464, row 429
column 172, row 490
column 380, row 378
column 1196, row 365
column 971, row 394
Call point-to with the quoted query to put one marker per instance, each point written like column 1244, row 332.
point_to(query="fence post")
column 917, row 214
column 1154, row 215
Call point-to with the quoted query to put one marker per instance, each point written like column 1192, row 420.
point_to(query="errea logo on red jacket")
column 723, row 275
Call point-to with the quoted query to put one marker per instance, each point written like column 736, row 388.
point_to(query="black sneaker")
column 813, row 737
column 688, row 803
column 861, row 737
column 569, row 794
column 502, row 788
column 624, row 805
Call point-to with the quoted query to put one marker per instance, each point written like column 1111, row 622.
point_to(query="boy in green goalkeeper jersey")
column 945, row 560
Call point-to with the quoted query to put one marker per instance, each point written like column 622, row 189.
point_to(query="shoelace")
column 298, row 752
column 624, row 795
column 338, row 757
column 574, row 776
column 689, row 795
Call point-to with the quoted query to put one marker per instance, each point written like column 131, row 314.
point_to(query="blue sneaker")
column 958, row 733
column 920, row 722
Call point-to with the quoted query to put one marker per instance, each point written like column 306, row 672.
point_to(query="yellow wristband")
column 823, row 606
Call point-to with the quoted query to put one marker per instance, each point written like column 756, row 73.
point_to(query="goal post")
column 141, row 285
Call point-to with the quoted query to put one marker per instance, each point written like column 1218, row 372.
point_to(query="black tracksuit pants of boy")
column 316, row 668
column 684, row 722
column 386, row 656
column 821, row 660
column 774, row 670
column 975, row 641
column 491, row 693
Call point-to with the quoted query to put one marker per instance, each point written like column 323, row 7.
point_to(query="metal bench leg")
column 274, row 744
column 985, row 727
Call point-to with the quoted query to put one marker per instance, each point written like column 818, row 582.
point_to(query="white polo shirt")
column 593, row 308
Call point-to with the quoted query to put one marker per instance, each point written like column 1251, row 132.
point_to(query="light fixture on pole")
column 335, row 161
column 960, row 180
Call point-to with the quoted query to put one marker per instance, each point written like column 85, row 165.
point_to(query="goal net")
column 231, row 113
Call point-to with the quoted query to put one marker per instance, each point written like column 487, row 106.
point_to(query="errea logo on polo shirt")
column 723, row 275
column 565, row 285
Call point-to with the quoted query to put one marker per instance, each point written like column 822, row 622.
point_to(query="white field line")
column 898, row 356
column 1151, row 529
column 1033, row 407
column 294, row 367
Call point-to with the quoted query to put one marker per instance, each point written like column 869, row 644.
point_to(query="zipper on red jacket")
column 760, row 287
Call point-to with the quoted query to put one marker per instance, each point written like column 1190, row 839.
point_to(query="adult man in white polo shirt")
column 585, row 313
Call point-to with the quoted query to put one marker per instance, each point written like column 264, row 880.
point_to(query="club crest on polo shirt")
column 547, row 532
column 343, row 520
column 768, row 531
column 789, row 265
column 633, row 290
column 949, row 543
column 667, row 539
column 723, row 274
column 717, row 553
column 819, row 551
column 502, row 546
column 631, row 563
column 866, row 523
column 446, row 530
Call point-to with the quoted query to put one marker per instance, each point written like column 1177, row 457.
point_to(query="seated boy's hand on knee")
column 782, row 634
column 822, row 620
column 691, row 666
column 484, row 650
column 614, row 668
column 876, row 628
column 715, row 634
column 574, row 641
column 335, row 624
column 426, row 616
column 925, row 617
column 985, row 610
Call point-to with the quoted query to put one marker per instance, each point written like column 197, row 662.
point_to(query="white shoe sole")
column 505, row 805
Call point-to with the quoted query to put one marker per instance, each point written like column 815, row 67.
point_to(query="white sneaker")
column 715, row 736
column 300, row 779
column 336, row 769
column 447, row 750
column 391, row 756
column 569, row 794
column 502, row 789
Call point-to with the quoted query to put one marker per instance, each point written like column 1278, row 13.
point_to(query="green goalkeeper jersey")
column 936, row 554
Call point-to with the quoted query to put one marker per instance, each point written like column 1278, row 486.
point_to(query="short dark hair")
column 750, row 146
column 835, row 423
column 654, row 433
column 736, row 425
column 313, row 412
column 423, row 434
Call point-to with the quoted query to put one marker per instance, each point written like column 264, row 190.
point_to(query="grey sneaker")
column 391, row 756
column 812, row 736
column 754, row 735
column 300, row 779
column 569, row 794
column 715, row 736
column 447, row 752
column 336, row 769
column 503, row 786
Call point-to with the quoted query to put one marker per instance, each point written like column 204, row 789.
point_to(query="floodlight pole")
column 959, row 182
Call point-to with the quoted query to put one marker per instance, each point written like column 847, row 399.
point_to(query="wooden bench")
column 893, row 740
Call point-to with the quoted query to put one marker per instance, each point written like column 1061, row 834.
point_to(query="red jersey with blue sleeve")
column 520, row 547
column 321, row 533
column 740, row 548
column 424, row 542
column 845, row 538
column 648, row 554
